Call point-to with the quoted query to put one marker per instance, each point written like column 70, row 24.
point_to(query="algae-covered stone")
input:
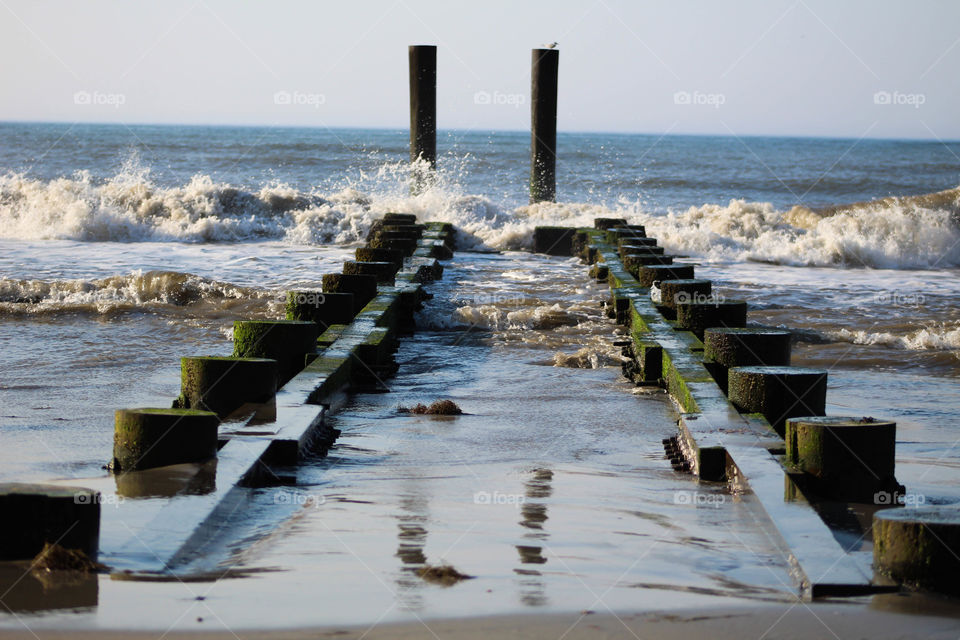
column 222, row 385
column 405, row 246
column 37, row 514
column 657, row 273
column 553, row 241
column 323, row 308
column 607, row 223
column 697, row 317
column 632, row 262
column 399, row 218
column 286, row 341
column 745, row 347
column 147, row 438
column 778, row 393
column 368, row 254
column 363, row 287
column 919, row 546
column 846, row 458
column 674, row 292
column 384, row 272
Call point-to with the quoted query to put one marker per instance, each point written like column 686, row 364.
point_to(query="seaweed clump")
column 438, row 408
column 442, row 574
column 53, row 557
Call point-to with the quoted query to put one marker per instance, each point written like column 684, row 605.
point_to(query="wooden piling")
column 423, row 109
column 543, row 126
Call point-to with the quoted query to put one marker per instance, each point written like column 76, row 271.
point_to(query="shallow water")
column 116, row 261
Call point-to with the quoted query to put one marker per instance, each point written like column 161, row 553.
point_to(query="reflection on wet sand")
column 534, row 515
column 24, row 589
column 195, row 479
column 412, row 538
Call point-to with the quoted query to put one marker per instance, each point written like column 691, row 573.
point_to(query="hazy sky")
column 807, row 67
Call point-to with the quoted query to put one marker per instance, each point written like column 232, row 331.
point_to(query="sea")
column 126, row 247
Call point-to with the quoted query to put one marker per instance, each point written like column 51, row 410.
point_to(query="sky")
column 850, row 68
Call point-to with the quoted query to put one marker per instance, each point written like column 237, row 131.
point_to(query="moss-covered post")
column 726, row 347
column 698, row 316
column 657, row 273
column 363, row 287
column 326, row 309
column 147, row 438
column 845, row 458
column 35, row 514
column 919, row 546
column 607, row 223
column 384, row 272
column 286, row 341
column 222, row 385
column 778, row 393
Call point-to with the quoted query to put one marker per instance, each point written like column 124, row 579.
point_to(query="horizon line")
column 505, row 130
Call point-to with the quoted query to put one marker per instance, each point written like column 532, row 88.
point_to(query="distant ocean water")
column 124, row 247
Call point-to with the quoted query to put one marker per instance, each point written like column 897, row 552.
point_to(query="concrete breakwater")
column 751, row 420
column 243, row 420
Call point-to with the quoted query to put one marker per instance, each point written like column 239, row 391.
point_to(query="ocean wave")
column 919, row 232
column 942, row 338
column 151, row 289
column 908, row 232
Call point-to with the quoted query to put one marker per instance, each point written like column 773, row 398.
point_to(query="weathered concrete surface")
column 146, row 438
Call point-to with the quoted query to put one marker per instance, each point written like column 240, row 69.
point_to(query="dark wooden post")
column 543, row 129
column 423, row 107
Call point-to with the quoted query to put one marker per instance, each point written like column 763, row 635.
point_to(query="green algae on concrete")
column 778, row 393
column 369, row 254
column 37, row 514
column 286, row 341
column 656, row 273
column 222, row 384
column 727, row 347
column 698, row 316
column 608, row 223
column 384, row 272
column 634, row 261
column 147, row 438
column 919, row 546
column 323, row 308
column 363, row 287
column 845, row 458
column 674, row 292
column 405, row 246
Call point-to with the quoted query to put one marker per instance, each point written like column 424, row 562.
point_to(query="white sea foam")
column 135, row 290
column 943, row 338
column 891, row 233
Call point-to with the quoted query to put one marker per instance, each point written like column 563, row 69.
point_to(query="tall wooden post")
column 423, row 108
column 543, row 129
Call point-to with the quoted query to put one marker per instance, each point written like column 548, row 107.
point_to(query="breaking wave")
column 907, row 232
column 134, row 291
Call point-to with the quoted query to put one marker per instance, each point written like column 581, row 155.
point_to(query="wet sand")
column 798, row 621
